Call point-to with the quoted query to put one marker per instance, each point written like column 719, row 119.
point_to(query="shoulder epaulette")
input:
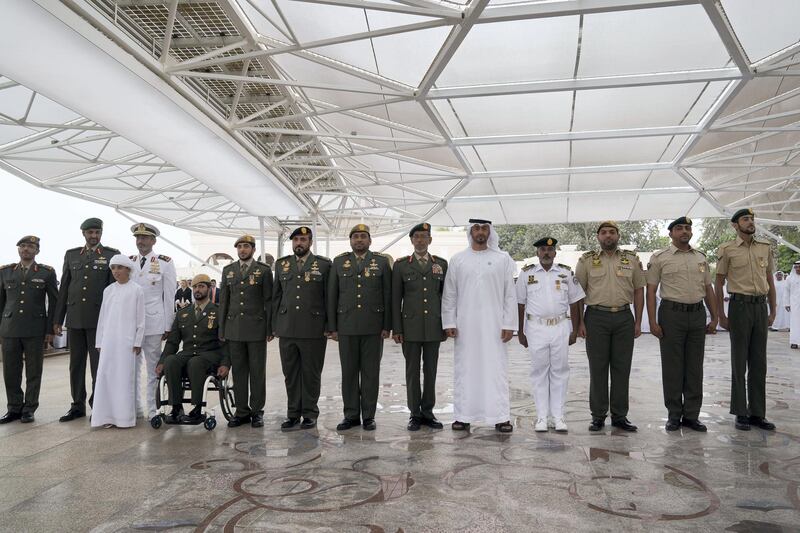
column 46, row 267
column 629, row 252
column 131, row 257
column 659, row 252
column 343, row 254
column 701, row 252
column 7, row 266
column 379, row 254
column 565, row 267
column 322, row 257
column 77, row 249
column 165, row 258
column 404, row 258
column 761, row 241
column 528, row 267
column 110, row 249
column 587, row 254
column 284, row 258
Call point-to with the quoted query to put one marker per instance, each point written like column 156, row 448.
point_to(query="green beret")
column 545, row 241
column 424, row 226
column 249, row 239
column 302, row 230
column 682, row 220
column 92, row 223
column 741, row 213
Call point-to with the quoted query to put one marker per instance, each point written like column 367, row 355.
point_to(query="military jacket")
column 681, row 274
column 199, row 333
column 246, row 302
column 157, row 278
column 746, row 266
column 417, row 298
column 610, row 280
column 85, row 276
column 22, row 300
column 359, row 294
column 299, row 297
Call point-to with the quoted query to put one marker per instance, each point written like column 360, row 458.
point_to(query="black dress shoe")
column 347, row 424
column 432, row 423
column 257, row 421
column 413, row 424
column 673, row 424
column 72, row 414
column 10, row 417
column 597, row 424
column 194, row 417
column 369, row 424
column 175, row 416
column 289, row 423
column 742, row 423
column 757, row 421
column 693, row 423
column 308, row 423
column 624, row 424
column 237, row 421
column 27, row 418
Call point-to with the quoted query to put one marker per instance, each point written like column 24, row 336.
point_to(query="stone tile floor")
column 69, row 477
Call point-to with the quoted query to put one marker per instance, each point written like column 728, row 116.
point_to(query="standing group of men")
column 359, row 299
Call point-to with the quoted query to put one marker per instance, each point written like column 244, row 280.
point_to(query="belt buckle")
column 614, row 309
column 551, row 321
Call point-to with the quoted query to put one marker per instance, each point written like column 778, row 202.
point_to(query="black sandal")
column 504, row 427
column 459, row 426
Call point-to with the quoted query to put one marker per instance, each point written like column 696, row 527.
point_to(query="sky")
column 56, row 219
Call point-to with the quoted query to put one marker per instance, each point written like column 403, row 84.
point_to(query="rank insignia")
column 436, row 269
column 252, row 279
column 532, row 280
column 366, row 272
column 230, row 274
column 211, row 317
column 308, row 276
column 346, row 263
column 184, row 315
column 702, row 267
column 625, row 261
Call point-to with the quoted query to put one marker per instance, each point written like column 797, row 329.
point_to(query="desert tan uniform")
column 682, row 276
column 609, row 282
column 746, row 267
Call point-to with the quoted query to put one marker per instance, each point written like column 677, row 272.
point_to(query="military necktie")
column 423, row 260
column 300, row 263
column 141, row 262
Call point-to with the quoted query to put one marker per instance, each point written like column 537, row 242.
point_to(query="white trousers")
column 151, row 353
column 549, row 347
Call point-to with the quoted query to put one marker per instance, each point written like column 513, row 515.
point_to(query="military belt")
column 678, row 306
column 749, row 298
column 552, row 321
column 607, row 309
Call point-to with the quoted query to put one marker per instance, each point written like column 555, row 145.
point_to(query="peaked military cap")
column 607, row 224
column 741, row 213
column 29, row 239
column 302, row 230
column 420, row 227
column 201, row 278
column 143, row 228
column 249, row 239
column 545, row 241
column 358, row 228
column 92, row 223
column 682, row 220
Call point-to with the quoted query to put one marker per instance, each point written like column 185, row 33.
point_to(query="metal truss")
column 388, row 171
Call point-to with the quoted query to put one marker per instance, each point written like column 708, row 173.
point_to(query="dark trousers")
column 747, row 323
column 609, row 344
column 249, row 364
column 302, row 361
column 80, row 342
column 19, row 351
column 682, row 348
column 421, row 400
column 360, row 356
column 197, row 368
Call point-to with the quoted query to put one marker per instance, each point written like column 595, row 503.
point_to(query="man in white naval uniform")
column 157, row 277
column 547, row 295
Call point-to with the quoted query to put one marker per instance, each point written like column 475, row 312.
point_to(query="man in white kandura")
column 781, row 302
column 479, row 310
column 547, row 293
column 157, row 277
column 793, row 303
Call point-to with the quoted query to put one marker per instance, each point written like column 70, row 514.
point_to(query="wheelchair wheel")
column 155, row 422
column 210, row 423
column 226, row 399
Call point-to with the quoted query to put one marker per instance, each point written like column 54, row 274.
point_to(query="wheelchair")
column 213, row 384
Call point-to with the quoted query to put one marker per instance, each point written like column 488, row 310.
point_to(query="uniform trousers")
column 682, row 348
column 249, row 364
column 302, row 361
column 360, row 356
column 747, row 323
column 13, row 350
column 80, row 342
column 421, row 399
column 197, row 368
column 548, row 347
column 609, row 346
column 151, row 354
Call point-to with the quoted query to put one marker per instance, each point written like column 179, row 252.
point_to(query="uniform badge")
column 562, row 276
column 436, row 268
column 257, row 272
column 230, row 274
column 252, row 279
column 625, row 261
column 702, row 267
column 211, row 317
column 346, row 263
column 308, row 276
column 366, row 272
column 184, row 315
column 532, row 280
column 558, row 284
column 155, row 267
column 596, row 261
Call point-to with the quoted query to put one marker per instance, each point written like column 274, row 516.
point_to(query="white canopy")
column 395, row 111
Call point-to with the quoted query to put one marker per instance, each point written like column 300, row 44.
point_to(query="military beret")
column 479, row 221
column 302, row 230
column 741, row 213
column 92, row 223
column 358, row 228
column 143, row 228
column 545, row 241
column 420, row 227
column 249, row 239
column 201, row 278
column 681, row 220
column 29, row 239
column 607, row 224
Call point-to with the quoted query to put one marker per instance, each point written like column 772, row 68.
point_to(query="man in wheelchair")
column 196, row 327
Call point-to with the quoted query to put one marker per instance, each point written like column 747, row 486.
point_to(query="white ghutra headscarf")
column 493, row 241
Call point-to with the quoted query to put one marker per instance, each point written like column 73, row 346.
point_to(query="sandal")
column 459, row 426
column 504, row 427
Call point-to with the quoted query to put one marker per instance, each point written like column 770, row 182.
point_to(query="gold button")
column 359, row 285
column 425, row 300
column 241, row 314
column 298, row 296
column 85, row 277
column 298, row 276
column 83, row 299
column 242, row 292
column 241, row 303
column 425, row 289
column 241, row 283
column 359, row 275
column 87, row 266
column 359, row 306
column 297, row 307
column 424, row 278
column 84, row 288
column 194, row 336
column 195, row 326
column 23, row 283
column 22, row 292
column 20, row 310
column 298, row 286
column 425, row 311
column 22, row 301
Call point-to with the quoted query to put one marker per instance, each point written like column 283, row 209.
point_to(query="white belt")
column 551, row 321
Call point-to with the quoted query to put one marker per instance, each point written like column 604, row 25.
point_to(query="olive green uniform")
column 609, row 283
column 85, row 276
column 417, row 287
column 747, row 267
column 299, row 319
column 245, row 320
column 683, row 276
column 201, row 354
column 23, row 325
column 359, row 308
